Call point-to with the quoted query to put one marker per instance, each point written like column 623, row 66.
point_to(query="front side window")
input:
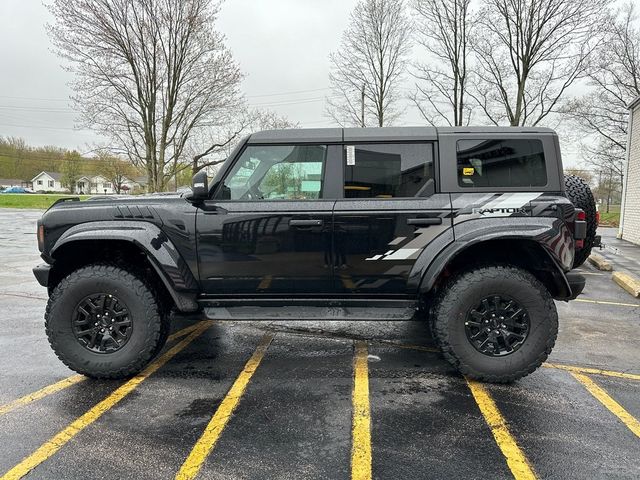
column 276, row 172
column 389, row 170
column 501, row 163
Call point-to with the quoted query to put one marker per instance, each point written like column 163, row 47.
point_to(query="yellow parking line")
column 54, row 444
column 361, row 433
column 221, row 417
column 183, row 332
column 347, row 282
column 43, row 392
column 265, row 282
column 72, row 380
column 516, row 460
column 593, row 371
column 614, row 407
column 606, row 302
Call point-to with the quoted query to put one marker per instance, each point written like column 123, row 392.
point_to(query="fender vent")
column 132, row 211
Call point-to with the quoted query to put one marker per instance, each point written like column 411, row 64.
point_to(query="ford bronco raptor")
column 468, row 229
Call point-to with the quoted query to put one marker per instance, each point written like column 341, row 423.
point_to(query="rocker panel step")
column 309, row 313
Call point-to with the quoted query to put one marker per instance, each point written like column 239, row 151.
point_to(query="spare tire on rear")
column 578, row 191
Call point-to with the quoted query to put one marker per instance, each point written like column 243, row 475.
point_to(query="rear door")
column 390, row 212
column 268, row 228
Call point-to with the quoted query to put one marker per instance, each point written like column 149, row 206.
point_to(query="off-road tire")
column 464, row 291
column 579, row 193
column 148, row 323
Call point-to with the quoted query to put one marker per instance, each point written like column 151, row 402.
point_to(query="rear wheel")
column 105, row 322
column 495, row 324
column 579, row 193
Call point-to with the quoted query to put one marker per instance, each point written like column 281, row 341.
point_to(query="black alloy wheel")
column 498, row 326
column 102, row 323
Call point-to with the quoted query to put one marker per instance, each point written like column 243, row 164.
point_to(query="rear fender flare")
column 550, row 233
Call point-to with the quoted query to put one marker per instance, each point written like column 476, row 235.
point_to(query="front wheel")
column 104, row 322
column 495, row 324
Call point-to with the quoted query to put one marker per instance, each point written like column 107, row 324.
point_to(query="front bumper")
column 41, row 273
column 576, row 283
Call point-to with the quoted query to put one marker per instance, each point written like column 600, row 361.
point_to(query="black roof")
column 384, row 134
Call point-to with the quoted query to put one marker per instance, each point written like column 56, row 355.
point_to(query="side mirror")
column 200, row 186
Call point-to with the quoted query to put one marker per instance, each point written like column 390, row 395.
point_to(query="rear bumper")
column 576, row 283
column 41, row 273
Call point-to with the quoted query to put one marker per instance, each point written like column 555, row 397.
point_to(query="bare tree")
column 115, row 169
column 529, row 52
column 444, row 30
column 600, row 117
column 16, row 151
column 367, row 69
column 149, row 74
column 216, row 145
column 71, row 170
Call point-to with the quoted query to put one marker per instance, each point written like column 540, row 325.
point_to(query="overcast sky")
column 282, row 47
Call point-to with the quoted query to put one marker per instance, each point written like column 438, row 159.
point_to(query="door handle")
column 305, row 223
column 425, row 221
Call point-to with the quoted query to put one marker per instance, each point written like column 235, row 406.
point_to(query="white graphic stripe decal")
column 402, row 254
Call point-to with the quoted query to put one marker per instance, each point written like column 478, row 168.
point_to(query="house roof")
column 55, row 175
column 634, row 103
column 6, row 181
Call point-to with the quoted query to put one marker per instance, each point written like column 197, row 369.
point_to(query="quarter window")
column 389, row 170
column 276, row 172
column 501, row 163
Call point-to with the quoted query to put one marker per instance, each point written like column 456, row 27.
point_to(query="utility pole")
column 362, row 106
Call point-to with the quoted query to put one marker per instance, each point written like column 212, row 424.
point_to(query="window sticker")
column 468, row 171
column 351, row 155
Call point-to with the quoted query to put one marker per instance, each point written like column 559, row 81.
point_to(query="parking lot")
column 331, row 400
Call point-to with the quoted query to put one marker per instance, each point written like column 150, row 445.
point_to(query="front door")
column 268, row 229
column 390, row 213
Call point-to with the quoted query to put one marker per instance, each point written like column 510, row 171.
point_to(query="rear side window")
column 501, row 163
column 388, row 170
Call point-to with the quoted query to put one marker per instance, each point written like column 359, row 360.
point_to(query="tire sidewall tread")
column 148, row 321
column 464, row 292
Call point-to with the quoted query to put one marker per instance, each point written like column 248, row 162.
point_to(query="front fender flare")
column 151, row 240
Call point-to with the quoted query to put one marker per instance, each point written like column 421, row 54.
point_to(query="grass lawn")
column 611, row 219
column 31, row 200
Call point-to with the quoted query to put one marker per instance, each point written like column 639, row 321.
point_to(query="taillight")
column 41, row 237
column 581, row 215
column 579, row 244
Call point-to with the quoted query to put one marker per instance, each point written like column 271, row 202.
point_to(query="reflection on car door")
column 390, row 214
column 270, row 232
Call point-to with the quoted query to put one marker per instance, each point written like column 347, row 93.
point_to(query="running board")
column 310, row 313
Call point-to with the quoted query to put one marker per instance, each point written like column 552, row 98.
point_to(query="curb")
column 627, row 281
column 600, row 262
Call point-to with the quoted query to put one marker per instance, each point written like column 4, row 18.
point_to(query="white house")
column 95, row 185
column 99, row 185
column 14, row 182
column 48, row 182
column 87, row 184
column 630, row 211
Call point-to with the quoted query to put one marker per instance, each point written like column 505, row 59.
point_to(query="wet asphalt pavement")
column 294, row 413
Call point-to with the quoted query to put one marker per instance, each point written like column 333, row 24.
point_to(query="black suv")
column 468, row 229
